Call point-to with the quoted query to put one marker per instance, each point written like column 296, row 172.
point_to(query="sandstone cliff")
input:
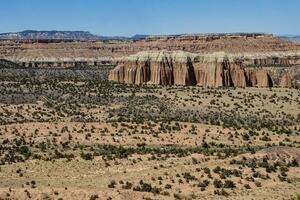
column 286, row 81
column 65, row 53
column 207, row 70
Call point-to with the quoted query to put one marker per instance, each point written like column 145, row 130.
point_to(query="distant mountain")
column 107, row 38
column 85, row 35
column 292, row 38
column 67, row 35
column 139, row 37
column 64, row 35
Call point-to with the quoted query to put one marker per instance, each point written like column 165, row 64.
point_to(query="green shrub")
column 218, row 183
column 229, row 184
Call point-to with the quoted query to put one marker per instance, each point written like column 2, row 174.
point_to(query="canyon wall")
column 246, row 61
column 207, row 70
column 41, row 53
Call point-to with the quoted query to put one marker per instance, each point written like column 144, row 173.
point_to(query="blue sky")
column 129, row 17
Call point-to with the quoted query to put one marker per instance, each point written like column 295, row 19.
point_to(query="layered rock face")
column 209, row 70
column 66, row 53
column 286, row 81
column 258, row 78
column 161, row 69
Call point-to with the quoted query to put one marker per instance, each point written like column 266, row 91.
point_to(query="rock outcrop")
column 286, row 81
column 207, row 70
column 258, row 78
column 63, row 53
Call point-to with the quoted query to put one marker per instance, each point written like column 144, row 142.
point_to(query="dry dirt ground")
column 100, row 140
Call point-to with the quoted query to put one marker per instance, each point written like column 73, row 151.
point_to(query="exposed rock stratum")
column 207, row 70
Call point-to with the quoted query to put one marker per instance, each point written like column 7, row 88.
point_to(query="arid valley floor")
column 103, row 140
column 204, row 116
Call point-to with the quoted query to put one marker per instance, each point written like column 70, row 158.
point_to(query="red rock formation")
column 286, row 81
column 45, row 53
column 163, row 72
column 263, row 78
column 180, row 68
column 214, row 74
column 258, row 78
column 237, row 74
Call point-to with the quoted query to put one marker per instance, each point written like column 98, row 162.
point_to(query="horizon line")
column 151, row 35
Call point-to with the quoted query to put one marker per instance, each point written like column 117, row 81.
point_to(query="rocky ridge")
column 208, row 70
column 36, row 50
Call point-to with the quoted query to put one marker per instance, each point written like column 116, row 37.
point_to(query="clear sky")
column 129, row 17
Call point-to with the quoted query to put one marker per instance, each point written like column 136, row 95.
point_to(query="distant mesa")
column 63, row 35
column 293, row 38
column 85, row 35
column 32, row 34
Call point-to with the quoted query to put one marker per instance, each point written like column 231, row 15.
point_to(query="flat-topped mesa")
column 207, row 70
column 37, row 52
column 207, row 36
